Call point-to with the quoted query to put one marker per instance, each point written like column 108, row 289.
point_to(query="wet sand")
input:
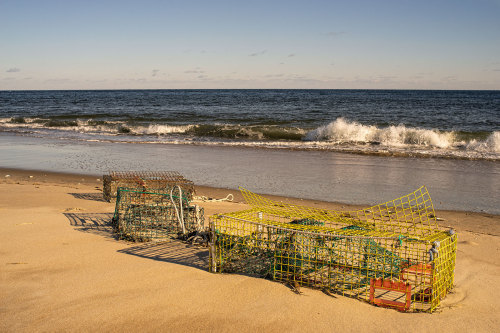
column 352, row 179
column 61, row 269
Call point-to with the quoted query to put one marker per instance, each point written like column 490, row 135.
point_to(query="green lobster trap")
column 392, row 254
column 155, row 215
column 145, row 180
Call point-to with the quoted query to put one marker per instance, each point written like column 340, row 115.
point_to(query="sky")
column 251, row 44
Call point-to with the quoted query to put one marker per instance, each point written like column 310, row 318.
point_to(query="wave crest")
column 156, row 129
column 491, row 144
column 342, row 131
column 339, row 135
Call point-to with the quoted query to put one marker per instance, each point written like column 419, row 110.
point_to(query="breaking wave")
column 342, row 132
column 339, row 135
column 220, row 131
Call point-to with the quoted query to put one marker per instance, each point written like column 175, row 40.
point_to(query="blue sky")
column 250, row 44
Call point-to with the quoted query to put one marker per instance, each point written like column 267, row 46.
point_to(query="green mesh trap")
column 146, row 181
column 155, row 215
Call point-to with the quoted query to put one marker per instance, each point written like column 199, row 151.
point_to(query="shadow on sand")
column 89, row 196
column 95, row 223
column 174, row 252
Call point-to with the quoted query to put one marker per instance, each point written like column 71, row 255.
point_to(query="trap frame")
column 392, row 254
column 155, row 215
column 145, row 180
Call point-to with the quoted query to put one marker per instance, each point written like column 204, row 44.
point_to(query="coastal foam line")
column 339, row 135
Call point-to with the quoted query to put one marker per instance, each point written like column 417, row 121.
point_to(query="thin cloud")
column 450, row 78
column 257, row 53
column 386, row 77
column 194, row 71
column 298, row 77
column 60, row 80
column 291, row 55
column 155, row 72
column 274, row 75
column 13, row 70
column 335, row 33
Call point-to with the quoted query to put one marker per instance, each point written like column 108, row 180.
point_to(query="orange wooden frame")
column 394, row 286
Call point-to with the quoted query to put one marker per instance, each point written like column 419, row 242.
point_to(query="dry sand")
column 61, row 269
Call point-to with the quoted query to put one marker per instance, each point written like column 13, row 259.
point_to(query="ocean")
column 351, row 146
column 450, row 124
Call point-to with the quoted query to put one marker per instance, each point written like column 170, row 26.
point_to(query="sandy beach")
column 62, row 269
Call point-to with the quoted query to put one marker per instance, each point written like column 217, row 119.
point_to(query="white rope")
column 198, row 218
column 180, row 216
column 202, row 198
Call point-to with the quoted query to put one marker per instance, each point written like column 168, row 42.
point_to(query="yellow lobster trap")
column 392, row 254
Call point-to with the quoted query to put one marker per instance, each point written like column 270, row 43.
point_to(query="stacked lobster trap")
column 150, row 180
column 392, row 254
column 159, row 209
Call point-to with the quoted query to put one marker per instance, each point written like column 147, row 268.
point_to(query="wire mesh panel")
column 338, row 252
column 412, row 214
column 145, row 180
column 146, row 215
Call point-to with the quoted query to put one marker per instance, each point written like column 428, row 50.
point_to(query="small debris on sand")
column 73, row 210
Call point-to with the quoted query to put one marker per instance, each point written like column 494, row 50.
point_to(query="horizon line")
column 157, row 89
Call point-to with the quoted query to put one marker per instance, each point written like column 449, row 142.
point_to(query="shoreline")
column 462, row 185
column 277, row 145
column 482, row 223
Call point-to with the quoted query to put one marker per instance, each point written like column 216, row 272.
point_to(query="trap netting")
column 155, row 215
column 392, row 254
column 145, row 180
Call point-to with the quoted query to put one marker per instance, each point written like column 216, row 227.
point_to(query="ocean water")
column 448, row 124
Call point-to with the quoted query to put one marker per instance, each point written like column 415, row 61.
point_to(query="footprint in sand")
column 468, row 243
column 454, row 299
column 73, row 210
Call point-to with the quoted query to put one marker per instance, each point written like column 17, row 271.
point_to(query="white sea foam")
column 342, row 131
column 338, row 135
column 491, row 144
column 161, row 129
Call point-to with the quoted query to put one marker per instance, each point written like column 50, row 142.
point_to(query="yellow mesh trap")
column 392, row 254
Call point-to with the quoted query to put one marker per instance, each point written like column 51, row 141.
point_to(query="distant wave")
column 227, row 131
column 339, row 135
